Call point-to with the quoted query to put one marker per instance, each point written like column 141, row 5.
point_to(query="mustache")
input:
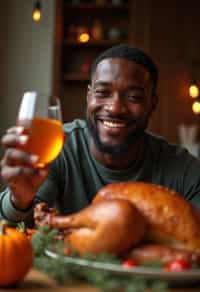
column 119, row 117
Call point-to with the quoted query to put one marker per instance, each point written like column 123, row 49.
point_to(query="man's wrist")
column 10, row 212
column 18, row 205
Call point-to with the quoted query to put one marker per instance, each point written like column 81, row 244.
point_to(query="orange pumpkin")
column 16, row 255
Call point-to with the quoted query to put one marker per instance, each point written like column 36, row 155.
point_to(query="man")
column 111, row 146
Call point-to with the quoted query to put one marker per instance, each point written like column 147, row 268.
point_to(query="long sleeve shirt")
column 76, row 176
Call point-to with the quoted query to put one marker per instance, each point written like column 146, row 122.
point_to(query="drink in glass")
column 41, row 119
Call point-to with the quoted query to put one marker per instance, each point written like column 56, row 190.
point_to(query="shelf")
column 102, row 43
column 103, row 7
column 107, row 25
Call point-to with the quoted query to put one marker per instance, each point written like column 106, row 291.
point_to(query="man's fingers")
column 12, row 140
column 8, row 173
column 11, row 174
column 14, row 157
column 16, row 129
column 14, row 136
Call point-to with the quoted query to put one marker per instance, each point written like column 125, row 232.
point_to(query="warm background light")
column 194, row 91
column 36, row 15
column 37, row 11
column 196, row 107
column 84, row 37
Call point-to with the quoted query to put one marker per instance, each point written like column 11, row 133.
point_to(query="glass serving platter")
column 188, row 277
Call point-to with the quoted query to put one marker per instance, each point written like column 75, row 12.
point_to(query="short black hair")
column 128, row 52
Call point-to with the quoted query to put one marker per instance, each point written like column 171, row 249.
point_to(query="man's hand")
column 18, row 169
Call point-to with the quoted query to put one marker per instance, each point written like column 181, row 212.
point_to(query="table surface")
column 38, row 282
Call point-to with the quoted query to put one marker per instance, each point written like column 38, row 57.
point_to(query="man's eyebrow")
column 136, row 87
column 101, row 83
column 129, row 87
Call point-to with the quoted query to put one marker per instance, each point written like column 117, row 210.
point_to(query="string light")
column 193, row 91
column 37, row 11
column 83, row 37
column 196, row 107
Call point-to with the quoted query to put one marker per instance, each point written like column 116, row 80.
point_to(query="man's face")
column 119, row 104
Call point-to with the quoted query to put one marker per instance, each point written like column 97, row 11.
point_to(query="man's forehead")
column 120, row 66
column 116, row 61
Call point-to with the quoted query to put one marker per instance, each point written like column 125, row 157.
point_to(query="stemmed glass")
column 40, row 116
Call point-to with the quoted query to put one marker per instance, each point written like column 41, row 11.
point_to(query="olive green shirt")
column 75, row 176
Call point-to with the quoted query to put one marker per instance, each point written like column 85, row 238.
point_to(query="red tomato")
column 178, row 265
column 129, row 264
column 67, row 251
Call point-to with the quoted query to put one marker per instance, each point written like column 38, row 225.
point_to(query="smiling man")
column 111, row 145
column 120, row 100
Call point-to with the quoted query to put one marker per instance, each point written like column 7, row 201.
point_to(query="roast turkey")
column 129, row 216
column 172, row 220
column 108, row 226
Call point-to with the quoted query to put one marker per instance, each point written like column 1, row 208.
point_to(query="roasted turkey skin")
column 112, row 226
column 148, row 252
column 173, row 221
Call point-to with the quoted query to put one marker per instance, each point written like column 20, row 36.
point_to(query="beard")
column 122, row 148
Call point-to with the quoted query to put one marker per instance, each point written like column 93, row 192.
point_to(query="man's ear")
column 154, row 102
column 89, row 89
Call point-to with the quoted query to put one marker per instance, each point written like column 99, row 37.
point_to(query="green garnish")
column 66, row 272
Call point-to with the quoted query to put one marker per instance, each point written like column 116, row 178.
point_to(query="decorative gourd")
column 16, row 255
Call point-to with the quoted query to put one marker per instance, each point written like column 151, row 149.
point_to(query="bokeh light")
column 196, row 107
column 194, row 91
column 83, row 37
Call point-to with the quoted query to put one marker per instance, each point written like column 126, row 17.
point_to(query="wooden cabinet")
column 89, row 27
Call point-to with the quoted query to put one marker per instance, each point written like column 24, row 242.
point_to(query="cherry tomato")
column 67, row 251
column 178, row 265
column 129, row 264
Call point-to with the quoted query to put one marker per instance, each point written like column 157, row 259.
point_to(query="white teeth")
column 113, row 124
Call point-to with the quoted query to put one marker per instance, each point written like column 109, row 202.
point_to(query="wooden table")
column 38, row 282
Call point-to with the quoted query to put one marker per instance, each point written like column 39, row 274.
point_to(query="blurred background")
column 52, row 53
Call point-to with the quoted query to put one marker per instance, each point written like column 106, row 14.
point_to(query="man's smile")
column 112, row 125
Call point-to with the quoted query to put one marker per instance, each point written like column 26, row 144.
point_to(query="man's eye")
column 136, row 98
column 102, row 93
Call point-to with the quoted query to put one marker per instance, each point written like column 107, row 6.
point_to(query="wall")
column 26, row 54
column 168, row 30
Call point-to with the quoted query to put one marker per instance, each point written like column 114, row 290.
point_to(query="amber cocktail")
column 43, row 127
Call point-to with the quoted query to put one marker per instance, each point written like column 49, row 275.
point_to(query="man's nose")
column 116, row 104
